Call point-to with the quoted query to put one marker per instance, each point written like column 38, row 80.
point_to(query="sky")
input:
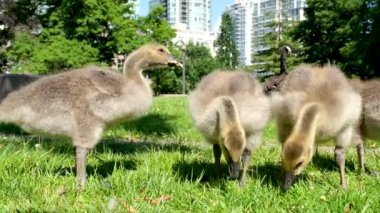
column 217, row 8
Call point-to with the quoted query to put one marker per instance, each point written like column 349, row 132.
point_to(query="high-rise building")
column 266, row 12
column 191, row 19
column 241, row 15
column 195, row 14
column 252, row 19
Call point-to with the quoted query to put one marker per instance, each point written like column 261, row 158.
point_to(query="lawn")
column 160, row 164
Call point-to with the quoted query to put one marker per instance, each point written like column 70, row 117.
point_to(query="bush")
column 50, row 56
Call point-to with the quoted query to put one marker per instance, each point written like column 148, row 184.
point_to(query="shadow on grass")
column 130, row 147
column 268, row 173
column 151, row 124
column 10, row 129
column 271, row 174
column 326, row 162
column 198, row 171
column 103, row 169
column 202, row 172
column 113, row 145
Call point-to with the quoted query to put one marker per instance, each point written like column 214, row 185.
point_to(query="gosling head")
column 156, row 56
column 233, row 144
column 295, row 157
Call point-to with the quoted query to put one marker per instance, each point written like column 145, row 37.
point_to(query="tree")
column 199, row 63
column 269, row 59
column 78, row 32
column 106, row 25
column 227, row 54
column 15, row 16
column 367, row 34
column 341, row 32
column 154, row 28
column 49, row 56
column 325, row 30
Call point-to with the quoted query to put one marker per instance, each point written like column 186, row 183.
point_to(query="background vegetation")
column 52, row 36
column 341, row 32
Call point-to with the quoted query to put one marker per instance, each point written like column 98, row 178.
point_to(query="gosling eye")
column 161, row 50
column 298, row 165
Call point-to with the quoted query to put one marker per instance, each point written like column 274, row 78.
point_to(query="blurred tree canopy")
column 227, row 53
column 342, row 32
column 199, row 63
column 49, row 36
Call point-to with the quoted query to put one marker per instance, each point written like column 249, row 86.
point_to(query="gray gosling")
column 230, row 110
column 79, row 104
column 369, row 126
column 314, row 104
column 13, row 82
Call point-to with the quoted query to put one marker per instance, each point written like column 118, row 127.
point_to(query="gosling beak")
column 234, row 169
column 173, row 62
column 289, row 179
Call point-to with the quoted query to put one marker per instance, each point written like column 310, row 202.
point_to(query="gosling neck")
column 134, row 65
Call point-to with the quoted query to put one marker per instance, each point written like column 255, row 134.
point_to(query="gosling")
column 369, row 126
column 79, row 104
column 230, row 110
column 314, row 104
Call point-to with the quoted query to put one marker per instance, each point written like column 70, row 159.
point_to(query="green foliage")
column 166, row 81
column 153, row 28
column 227, row 54
column 326, row 29
column 49, row 56
column 70, row 34
column 103, row 24
column 342, row 32
column 199, row 63
column 368, row 34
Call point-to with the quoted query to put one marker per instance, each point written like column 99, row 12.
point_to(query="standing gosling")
column 81, row 103
column 369, row 127
column 230, row 110
column 314, row 104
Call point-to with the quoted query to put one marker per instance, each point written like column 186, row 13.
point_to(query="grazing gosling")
column 369, row 126
column 81, row 103
column 230, row 110
column 13, row 82
column 314, row 104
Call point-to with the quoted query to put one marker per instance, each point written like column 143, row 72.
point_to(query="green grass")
column 160, row 164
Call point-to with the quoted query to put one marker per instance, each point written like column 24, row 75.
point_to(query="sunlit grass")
column 160, row 164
